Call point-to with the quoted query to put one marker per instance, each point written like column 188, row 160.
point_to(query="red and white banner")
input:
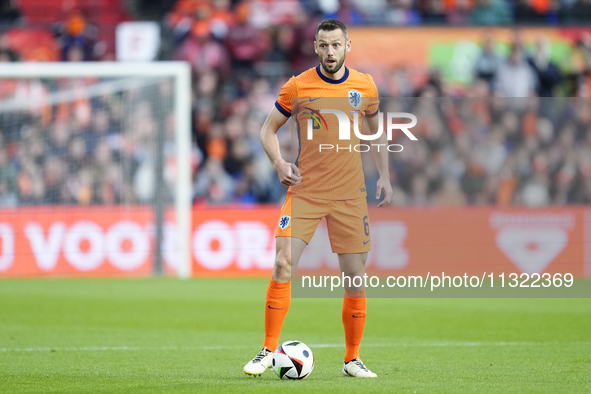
column 92, row 241
column 239, row 241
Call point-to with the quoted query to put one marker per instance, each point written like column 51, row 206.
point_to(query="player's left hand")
column 384, row 184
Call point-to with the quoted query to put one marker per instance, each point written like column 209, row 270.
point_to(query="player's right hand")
column 288, row 173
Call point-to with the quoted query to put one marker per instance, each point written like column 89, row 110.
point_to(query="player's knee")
column 282, row 269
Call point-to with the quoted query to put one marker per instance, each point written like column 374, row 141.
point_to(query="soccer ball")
column 293, row 360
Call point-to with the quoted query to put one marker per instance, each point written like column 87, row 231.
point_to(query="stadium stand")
column 242, row 52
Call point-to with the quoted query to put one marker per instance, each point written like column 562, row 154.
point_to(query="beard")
column 332, row 69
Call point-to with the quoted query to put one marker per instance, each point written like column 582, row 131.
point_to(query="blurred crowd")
column 504, row 138
column 491, row 151
column 98, row 147
column 395, row 12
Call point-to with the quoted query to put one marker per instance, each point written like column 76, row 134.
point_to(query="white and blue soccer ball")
column 293, row 360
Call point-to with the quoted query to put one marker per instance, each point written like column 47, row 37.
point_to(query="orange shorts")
column 347, row 222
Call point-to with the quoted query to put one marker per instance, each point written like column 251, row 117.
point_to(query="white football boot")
column 260, row 363
column 357, row 369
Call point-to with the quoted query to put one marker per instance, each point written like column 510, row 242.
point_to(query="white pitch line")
column 452, row 344
column 318, row 345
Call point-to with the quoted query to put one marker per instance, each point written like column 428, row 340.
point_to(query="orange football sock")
column 276, row 307
column 354, row 309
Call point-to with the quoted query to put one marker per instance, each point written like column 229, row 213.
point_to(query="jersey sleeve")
column 373, row 102
column 288, row 91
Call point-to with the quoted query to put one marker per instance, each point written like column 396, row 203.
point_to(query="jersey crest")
column 354, row 98
column 284, row 222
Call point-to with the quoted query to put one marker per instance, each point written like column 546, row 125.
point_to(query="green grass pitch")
column 171, row 336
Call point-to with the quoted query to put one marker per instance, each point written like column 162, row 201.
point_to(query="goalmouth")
column 119, row 77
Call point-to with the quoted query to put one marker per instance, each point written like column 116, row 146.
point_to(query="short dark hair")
column 330, row 25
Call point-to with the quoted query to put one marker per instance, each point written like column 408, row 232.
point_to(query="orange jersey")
column 328, row 174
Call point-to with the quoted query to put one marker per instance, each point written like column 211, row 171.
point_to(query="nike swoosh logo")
column 278, row 309
column 365, row 242
column 358, row 316
column 317, row 98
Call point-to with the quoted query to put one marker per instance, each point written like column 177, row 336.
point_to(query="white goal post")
column 180, row 73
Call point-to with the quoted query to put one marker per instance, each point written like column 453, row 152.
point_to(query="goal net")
column 95, row 169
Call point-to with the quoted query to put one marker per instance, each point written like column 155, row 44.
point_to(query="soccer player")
column 327, row 184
